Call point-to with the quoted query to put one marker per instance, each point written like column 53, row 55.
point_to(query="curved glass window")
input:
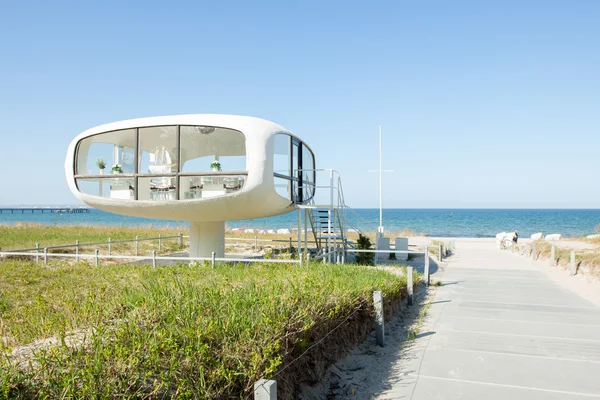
column 293, row 169
column 162, row 163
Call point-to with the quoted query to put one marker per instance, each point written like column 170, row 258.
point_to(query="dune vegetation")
column 130, row 331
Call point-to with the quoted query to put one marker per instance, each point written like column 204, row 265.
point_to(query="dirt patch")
column 311, row 367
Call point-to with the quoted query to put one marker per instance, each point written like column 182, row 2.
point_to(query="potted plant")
column 116, row 169
column 215, row 166
column 101, row 164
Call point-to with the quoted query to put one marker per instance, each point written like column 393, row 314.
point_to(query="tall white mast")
column 380, row 186
column 381, row 171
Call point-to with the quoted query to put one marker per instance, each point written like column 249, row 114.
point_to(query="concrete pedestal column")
column 206, row 237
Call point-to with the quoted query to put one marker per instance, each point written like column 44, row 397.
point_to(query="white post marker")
column 380, row 170
column 409, row 284
column 379, row 320
column 426, row 268
column 265, row 390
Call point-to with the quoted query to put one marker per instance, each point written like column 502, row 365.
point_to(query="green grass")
column 171, row 331
column 21, row 236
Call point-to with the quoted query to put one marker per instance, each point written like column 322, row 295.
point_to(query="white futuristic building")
column 203, row 168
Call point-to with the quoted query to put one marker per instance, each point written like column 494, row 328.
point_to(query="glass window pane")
column 281, row 161
column 158, row 150
column 156, row 188
column 113, row 188
column 308, row 174
column 111, row 147
column 282, row 187
column 201, row 146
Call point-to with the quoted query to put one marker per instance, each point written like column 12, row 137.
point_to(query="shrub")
column 364, row 243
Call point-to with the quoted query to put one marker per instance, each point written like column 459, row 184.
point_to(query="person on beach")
column 516, row 236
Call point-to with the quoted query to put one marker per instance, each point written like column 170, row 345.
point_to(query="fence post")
column 97, row 261
column 307, row 257
column 290, row 245
column 265, row 390
column 344, row 256
column 77, row 251
column 153, row 258
column 45, row 255
column 409, row 284
column 572, row 266
column 426, row 269
column 137, row 246
column 213, row 255
column 337, row 255
column 552, row 255
column 37, row 253
column 109, row 247
column 379, row 321
column 180, row 240
column 159, row 242
column 255, row 243
column 440, row 252
column 534, row 252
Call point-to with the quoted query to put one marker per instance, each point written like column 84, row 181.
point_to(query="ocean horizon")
column 438, row 222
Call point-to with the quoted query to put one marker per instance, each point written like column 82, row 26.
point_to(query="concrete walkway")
column 499, row 328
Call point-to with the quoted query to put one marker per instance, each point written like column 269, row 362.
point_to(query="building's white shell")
column 257, row 198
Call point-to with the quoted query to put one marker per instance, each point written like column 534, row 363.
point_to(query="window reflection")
column 202, row 146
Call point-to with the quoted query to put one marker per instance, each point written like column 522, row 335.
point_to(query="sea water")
column 430, row 222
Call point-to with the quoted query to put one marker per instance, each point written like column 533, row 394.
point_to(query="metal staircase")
column 328, row 214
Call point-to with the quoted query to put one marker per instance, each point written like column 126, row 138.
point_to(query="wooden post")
column 213, row 255
column 290, row 245
column 77, row 251
column 440, row 252
column 409, row 284
column 255, row 243
column 153, row 258
column 45, row 255
column 572, row 266
column 137, row 246
column 265, row 390
column 109, row 247
column 379, row 320
column 426, row 269
column 180, row 240
column 97, row 261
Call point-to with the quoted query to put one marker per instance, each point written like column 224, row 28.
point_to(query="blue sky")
column 483, row 104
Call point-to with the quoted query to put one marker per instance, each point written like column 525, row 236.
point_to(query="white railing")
column 97, row 257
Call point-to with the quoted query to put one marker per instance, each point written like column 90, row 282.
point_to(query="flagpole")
column 380, row 187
